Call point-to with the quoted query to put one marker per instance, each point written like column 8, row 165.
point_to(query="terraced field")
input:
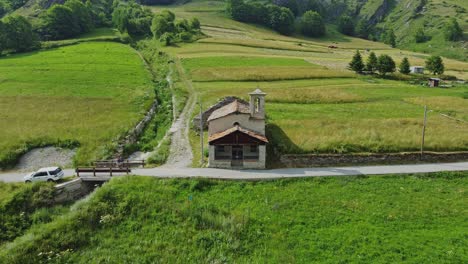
column 87, row 94
column 314, row 104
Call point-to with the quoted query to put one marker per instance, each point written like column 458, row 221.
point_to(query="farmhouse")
column 417, row 69
column 236, row 134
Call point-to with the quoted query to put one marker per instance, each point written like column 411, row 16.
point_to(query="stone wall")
column 134, row 134
column 207, row 113
column 317, row 160
column 72, row 190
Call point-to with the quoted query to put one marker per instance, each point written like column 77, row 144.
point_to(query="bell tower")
column 257, row 104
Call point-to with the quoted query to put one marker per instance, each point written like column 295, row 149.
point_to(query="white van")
column 45, row 174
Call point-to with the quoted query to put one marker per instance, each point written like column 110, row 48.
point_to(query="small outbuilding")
column 434, row 82
column 236, row 134
column 417, row 69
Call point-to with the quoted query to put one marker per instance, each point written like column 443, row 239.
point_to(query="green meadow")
column 380, row 219
column 88, row 94
column 314, row 104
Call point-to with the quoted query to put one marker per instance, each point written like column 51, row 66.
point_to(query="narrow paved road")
column 277, row 173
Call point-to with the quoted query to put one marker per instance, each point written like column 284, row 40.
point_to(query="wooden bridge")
column 103, row 170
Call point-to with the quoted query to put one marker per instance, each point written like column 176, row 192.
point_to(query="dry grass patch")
column 264, row 73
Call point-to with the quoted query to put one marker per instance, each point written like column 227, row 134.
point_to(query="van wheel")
column 28, row 181
column 50, row 180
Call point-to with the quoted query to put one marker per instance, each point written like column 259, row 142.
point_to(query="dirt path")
column 181, row 152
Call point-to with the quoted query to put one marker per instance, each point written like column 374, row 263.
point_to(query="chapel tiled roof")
column 235, row 107
column 240, row 129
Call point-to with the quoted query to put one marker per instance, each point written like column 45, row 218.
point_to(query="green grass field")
column 91, row 93
column 314, row 104
column 388, row 219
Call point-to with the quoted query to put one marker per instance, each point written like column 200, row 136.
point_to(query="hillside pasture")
column 321, row 107
column 90, row 93
column 388, row 219
column 345, row 115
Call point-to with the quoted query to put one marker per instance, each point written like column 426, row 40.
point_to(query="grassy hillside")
column 415, row 219
column 314, row 104
column 90, row 94
column 408, row 16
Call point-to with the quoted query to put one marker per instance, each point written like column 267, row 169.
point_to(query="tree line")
column 74, row 17
column 384, row 64
column 308, row 17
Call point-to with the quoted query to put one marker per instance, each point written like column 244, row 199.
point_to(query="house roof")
column 236, row 107
column 235, row 129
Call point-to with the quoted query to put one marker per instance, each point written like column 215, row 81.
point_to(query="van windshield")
column 55, row 172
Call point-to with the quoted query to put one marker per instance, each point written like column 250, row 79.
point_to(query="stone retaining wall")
column 317, row 160
column 72, row 190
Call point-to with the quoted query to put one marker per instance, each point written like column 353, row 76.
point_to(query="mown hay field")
column 390, row 219
column 344, row 115
column 90, row 93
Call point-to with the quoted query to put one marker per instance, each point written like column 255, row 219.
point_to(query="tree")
column 420, row 36
column 281, row 19
column 195, row 23
column 161, row 25
column 19, row 34
column 346, row 25
column 372, row 63
column 291, row 4
column 389, row 38
column 2, row 37
column 356, row 63
column 167, row 38
column 168, row 15
column 452, row 30
column 405, row 66
column 60, row 23
column 435, row 65
column 81, row 15
column 362, row 30
column 385, row 64
column 312, row 24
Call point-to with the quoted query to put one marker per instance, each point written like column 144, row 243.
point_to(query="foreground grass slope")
column 412, row 218
column 90, row 93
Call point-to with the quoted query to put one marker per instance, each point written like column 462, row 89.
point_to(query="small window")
column 219, row 148
column 235, row 124
column 40, row 174
column 257, row 105
column 253, row 148
column 55, row 172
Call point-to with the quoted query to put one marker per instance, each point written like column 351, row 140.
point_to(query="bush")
column 452, row 30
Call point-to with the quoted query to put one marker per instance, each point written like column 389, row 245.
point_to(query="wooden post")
column 423, row 131
column 77, row 172
column 94, row 171
column 111, row 171
column 201, row 132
